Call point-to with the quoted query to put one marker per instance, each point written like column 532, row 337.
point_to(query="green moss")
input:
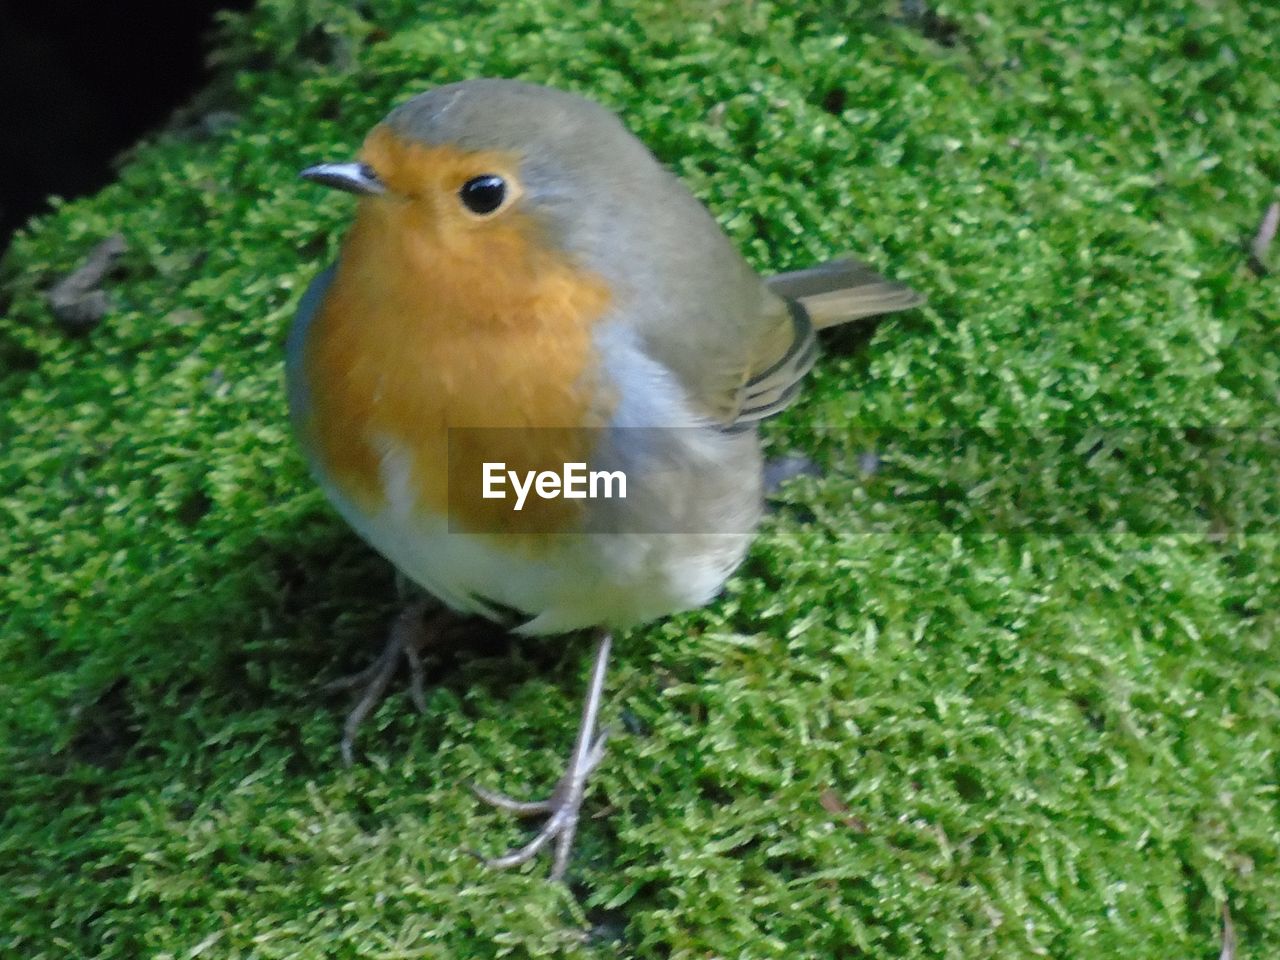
column 1014, row 694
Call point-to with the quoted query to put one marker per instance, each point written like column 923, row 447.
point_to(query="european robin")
column 524, row 283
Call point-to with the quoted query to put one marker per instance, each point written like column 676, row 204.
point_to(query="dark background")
column 81, row 80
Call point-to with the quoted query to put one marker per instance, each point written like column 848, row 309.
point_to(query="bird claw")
column 409, row 633
column 509, row 804
column 563, row 810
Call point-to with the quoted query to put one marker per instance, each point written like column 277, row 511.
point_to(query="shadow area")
column 313, row 606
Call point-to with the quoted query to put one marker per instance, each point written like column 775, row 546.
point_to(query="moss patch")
column 1012, row 693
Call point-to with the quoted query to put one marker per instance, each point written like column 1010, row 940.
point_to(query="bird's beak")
column 351, row 177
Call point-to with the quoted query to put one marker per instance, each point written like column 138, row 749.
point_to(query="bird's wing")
column 784, row 347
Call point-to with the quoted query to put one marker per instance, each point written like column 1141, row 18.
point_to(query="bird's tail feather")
column 841, row 290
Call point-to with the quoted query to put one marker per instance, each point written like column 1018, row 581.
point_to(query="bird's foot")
column 564, row 807
column 562, row 810
column 410, row 633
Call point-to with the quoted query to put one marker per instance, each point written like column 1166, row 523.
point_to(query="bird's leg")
column 410, row 632
column 564, row 806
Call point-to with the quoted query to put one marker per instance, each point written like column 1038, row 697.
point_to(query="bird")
column 525, row 285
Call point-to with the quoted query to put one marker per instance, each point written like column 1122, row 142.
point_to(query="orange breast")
column 434, row 323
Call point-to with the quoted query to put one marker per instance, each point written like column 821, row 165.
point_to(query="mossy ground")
column 1014, row 694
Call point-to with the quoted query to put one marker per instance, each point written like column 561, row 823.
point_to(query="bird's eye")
column 483, row 194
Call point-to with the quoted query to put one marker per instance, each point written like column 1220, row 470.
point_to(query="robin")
column 525, row 284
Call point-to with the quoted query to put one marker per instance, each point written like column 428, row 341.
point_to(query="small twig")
column 77, row 300
column 1261, row 244
column 1228, row 935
